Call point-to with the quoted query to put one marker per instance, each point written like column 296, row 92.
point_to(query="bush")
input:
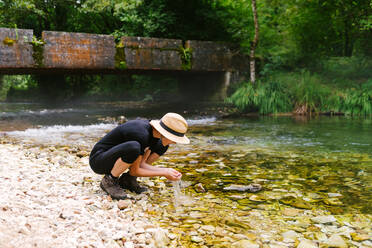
column 264, row 97
column 309, row 94
column 303, row 93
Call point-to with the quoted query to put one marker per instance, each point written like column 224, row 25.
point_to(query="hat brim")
column 168, row 135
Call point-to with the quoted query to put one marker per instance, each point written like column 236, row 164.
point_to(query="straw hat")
column 173, row 127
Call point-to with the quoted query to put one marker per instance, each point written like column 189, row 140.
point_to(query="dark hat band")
column 171, row 130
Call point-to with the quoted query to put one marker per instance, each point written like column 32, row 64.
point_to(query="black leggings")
column 103, row 161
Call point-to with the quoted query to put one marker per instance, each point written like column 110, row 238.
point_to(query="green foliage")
column 303, row 93
column 186, row 58
column 318, row 35
column 356, row 68
column 15, row 83
column 353, row 101
column 266, row 98
column 120, row 57
column 37, row 51
column 308, row 93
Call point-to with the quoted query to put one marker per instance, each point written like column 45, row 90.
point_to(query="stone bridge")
column 200, row 66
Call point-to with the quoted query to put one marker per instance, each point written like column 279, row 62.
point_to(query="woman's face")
column 166, row 141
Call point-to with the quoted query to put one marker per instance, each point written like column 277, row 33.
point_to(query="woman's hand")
column 172, row 174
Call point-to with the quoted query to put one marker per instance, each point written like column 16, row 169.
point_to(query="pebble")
column 208, row 228
column 291, row 235
column 196, row 239
column 307, row 244
column 291, row 212
column 245, row 244
column 325, row 219
column 161, row 238
column 129, row 244
column 172, row 236
column 360, row 237
column 336, row 241
column 334, row 194
column 61, row 196
column 367, row 243
column 199, row 188
column 123, row 204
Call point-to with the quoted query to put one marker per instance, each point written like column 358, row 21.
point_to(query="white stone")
column 208, row 228
column 245, row 244
column 139, row 230
column 334, row 194
column 325, row 219
column 336, row 241
column 129, row 244
column 172, row 236
column 307, row 244
column 161, row 238
column 367, row 243
column 291, row 235
column 196, row 239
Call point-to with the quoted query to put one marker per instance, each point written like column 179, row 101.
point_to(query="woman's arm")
column 142, row 169
column 148, row 159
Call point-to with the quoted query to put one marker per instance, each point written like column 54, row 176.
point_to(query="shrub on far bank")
column 303, row 93
column 265, row 98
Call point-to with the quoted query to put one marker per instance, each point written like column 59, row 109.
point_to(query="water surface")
column 309, row 164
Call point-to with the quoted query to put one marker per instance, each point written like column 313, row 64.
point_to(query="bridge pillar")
column 204, row 86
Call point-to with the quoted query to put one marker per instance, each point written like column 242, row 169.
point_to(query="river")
column 308, row 167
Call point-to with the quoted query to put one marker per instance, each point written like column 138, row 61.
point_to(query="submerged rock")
column 291, row 212
column 334, row 194
column 199, row 188
column 360, row 237
column 254, row 187
column 307, row 244
column 196, row 239
column 291, row 235
column 295, row 202
column 333, row 202
column 245, row 244
column 208, row 228
column 336, row 241
column 257, row 198
column 325, row 219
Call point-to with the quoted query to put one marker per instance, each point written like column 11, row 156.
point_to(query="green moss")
column 186, row 58
column 9, row 42
column 37, row 51
column 120, row 62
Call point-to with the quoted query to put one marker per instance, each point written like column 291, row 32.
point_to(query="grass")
column 342, row 86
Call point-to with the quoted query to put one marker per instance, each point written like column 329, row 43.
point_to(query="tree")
column 254, row 43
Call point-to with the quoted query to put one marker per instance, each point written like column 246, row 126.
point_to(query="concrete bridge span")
column 194, row 63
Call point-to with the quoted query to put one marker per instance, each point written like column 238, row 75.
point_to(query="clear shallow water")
column 54, row 124
column 321, row 164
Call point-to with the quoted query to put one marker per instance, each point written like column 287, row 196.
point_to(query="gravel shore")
column 51, row 198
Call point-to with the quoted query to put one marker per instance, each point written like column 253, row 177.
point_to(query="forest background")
column 313, row 56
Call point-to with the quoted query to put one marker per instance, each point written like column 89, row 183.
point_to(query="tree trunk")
column 254, row 43
column 348, row 47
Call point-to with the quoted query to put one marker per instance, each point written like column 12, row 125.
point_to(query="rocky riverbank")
column 51, row 198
